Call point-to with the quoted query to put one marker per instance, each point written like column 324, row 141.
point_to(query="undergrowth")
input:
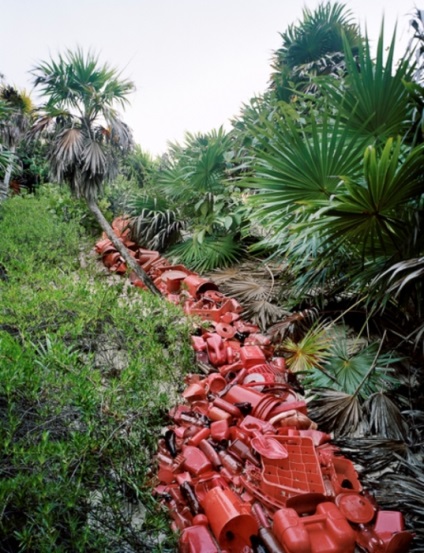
column 88, row 371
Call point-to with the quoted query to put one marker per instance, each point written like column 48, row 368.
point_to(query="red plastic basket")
column 299, row 473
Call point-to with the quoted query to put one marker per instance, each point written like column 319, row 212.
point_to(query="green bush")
column 66, row 207
column 88, row 371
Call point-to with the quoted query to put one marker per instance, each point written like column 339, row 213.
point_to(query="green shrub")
column 88, row 371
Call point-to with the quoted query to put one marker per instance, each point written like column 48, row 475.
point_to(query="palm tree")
column 87, row 134
column 313, row 47
column 198, row 206
column 5, row 155
column 13, row 127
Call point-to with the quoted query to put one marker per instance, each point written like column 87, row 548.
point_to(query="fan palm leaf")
column 385, row 417
column 337, row 412
column 374, row 100
column 263, row 313
column 258, row 287
column 299, row 172
column 374, row 215
column 304, row 164
column 250, row 289
column 354, row 373
column 310, row 352
column 212, row 252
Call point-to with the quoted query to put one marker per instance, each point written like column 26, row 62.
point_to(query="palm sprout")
column 310, row 352
column 156, row 230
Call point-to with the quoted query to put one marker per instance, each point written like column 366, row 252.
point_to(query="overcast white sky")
column 194, row 62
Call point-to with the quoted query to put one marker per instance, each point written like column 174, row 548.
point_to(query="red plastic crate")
column 299, row 473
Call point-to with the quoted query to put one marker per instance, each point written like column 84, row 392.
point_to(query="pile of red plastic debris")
column 242, row 468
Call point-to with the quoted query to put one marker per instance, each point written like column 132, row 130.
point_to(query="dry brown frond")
column 336, row 412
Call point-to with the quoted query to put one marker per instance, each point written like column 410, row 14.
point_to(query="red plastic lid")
column 356, row 508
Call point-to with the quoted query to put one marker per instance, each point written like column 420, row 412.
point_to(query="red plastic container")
column 390, row 528
column 240, row 394
column 344, row 477
column 216, row 383
column 356, row 508
column 197, row 539
column 251, row 356
column 220, row 430
column 216, row 349
column 327, row 531
column 146, row 258
column 196, row 285
column 195, row 461
column 231, row 520
column 172, row 279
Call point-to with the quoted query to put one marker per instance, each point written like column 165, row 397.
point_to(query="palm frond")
column 310, row 352
column 66, row 151
column 258, row 287
column 385, row 417
column 361, row 371
column 156, row 230
column 212, row 252
column 371, row 214
column 250, row 289
column 93, row 158
column 375, row 455
column 303, row 164
column 337, row 412
column 248, row 268
column 375, row 100
column 293, row 326
column 263, row 312
column 151, row 203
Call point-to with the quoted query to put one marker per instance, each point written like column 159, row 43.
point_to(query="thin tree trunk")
column 4, row 185
column 4, row 189
column 130, row 262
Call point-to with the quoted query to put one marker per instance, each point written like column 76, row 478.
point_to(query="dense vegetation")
column 88, row 370
column 310, row 212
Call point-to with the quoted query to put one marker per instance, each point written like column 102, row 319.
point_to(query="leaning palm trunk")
column 133, row 265
column 88, row 136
